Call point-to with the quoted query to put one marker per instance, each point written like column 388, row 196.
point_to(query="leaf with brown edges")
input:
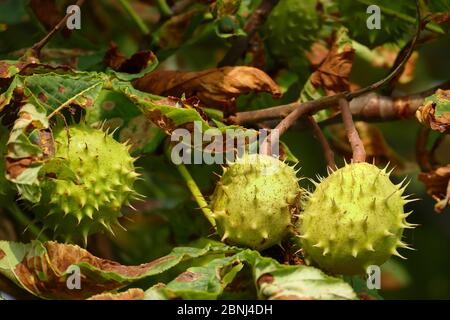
column 216, row 88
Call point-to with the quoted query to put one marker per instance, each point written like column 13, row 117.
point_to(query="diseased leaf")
column 135, row 67
column 167, row 113
column 273, row 280
column 435, row 111
column 9, row 68
column 216, row 88
column 29, row 144
column 115, row 112
column 54, row 92
column 206, row 282
column 299, row 283
column 42, row 268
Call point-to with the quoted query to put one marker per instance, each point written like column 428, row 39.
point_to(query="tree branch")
column 368, row 107
column 327, row 151
column 306, row 108
column 359, row 153
column 240, row 44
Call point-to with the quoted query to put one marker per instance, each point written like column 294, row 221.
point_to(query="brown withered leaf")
column 43, row 269
column 130, row 294
column 437, row 183
column 377, row 149
column 116, row 60
column 216, row 88
column 317, row 54
column 435, row 112
column 333, row 74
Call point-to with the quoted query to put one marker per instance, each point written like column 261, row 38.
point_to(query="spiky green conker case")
column 254, row 201
column 353, row 219
column 87, row 182
column 292, row 27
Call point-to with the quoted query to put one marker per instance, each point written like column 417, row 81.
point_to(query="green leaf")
column 168, row 115
column 146, row 66
column 273, row 280
column 114, row 111
column 441, row 99
column 53, row 91
column 7, row 96
column 24, row 151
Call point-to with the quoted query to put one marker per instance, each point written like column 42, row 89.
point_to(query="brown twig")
column 37, row 47
column 359, row 153
column 306, row 108
column 240, row 44
column 368, row 107
column 327, row 151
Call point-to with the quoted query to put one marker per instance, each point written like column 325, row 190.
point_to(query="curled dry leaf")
column 317, row 54
column 437, row 183
column 333, row 74
column 435, row 112
column 45, row 269
column 115, row 59
column 216, row 88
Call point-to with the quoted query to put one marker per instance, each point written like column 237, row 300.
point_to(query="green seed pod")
column 87, row 182
column 254, row 201
column 292, row 27
column 353, row 219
